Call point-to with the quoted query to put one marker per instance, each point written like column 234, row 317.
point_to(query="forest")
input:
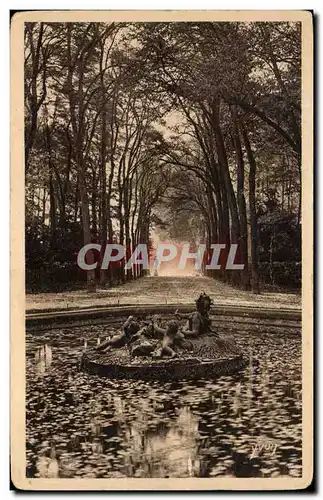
column 188, row 130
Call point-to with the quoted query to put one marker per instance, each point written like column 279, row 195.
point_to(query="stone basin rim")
column 166, row 370
column 267, row 313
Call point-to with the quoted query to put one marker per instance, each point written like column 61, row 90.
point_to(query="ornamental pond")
column 84, row 426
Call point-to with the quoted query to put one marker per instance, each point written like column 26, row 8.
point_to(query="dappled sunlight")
column 171, row 269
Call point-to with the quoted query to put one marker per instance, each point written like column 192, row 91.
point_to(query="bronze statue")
column 198, row 322
column 149, row 351
column 130, row 328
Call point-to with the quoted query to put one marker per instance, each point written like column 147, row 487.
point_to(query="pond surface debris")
column 85, row 426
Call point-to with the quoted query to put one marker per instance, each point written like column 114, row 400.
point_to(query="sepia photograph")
column 162, row 250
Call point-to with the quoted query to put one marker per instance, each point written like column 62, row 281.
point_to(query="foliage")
column 189, row 127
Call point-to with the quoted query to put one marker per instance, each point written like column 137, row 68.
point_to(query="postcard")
column 162, row 250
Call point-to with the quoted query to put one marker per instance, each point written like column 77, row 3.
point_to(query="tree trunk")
column 103, row 198
column 86, row 224
column 243, row 244
column 228, row 194
column 126, row 205
column 52, row 212
column 253, row 213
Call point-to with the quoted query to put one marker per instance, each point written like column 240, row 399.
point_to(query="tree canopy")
column 189, row 128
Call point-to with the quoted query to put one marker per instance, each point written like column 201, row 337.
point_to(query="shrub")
column 288, row 273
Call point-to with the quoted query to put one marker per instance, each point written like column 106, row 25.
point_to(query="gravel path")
column 162, row 290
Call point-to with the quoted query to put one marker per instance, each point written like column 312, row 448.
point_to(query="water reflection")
column 165, row 451
column 48, row 466
column 85, row 426
column 43, row 358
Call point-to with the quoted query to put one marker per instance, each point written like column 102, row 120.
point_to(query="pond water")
column 80, row 425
